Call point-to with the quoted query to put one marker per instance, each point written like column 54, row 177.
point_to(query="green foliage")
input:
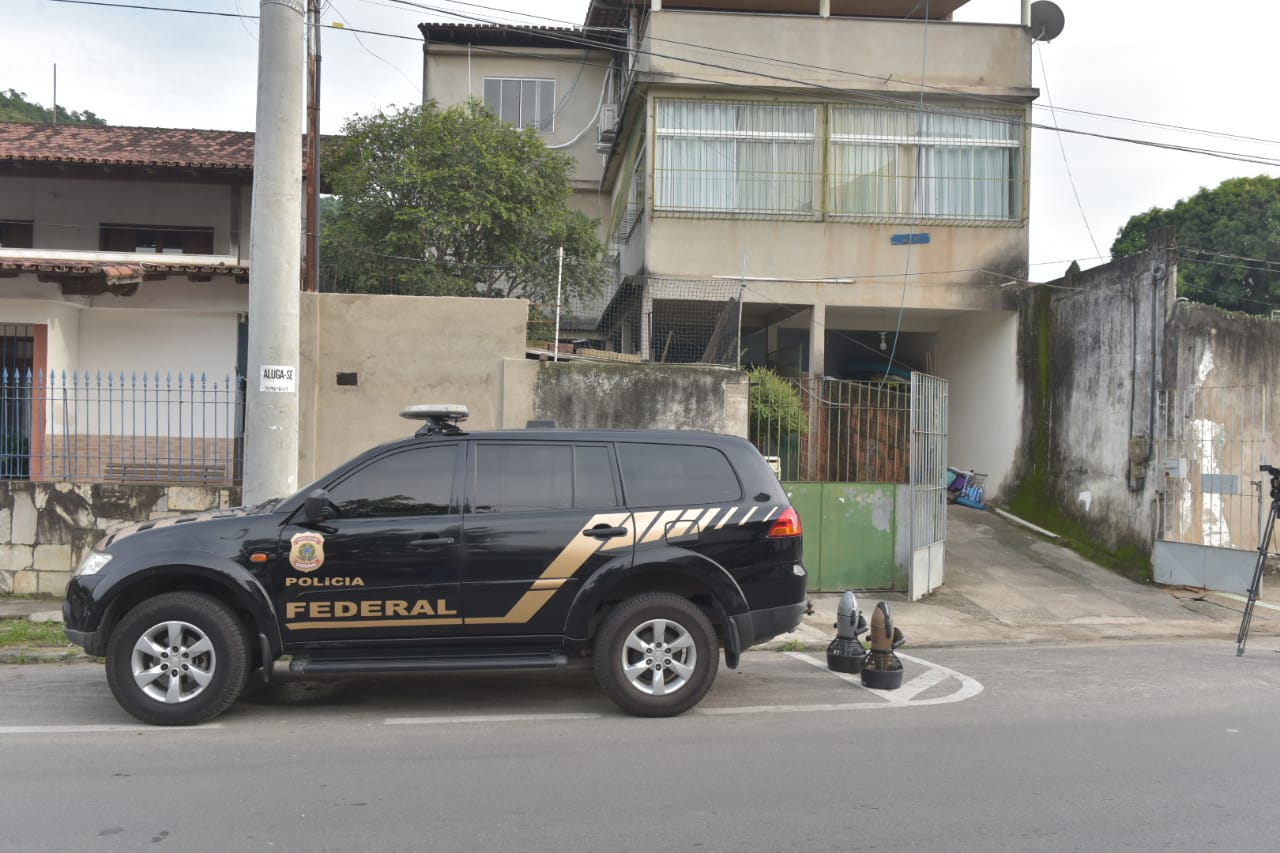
column 453, row 202
column 775, row 404
column 28, row 634
column 14, row 106
column 1239, row 217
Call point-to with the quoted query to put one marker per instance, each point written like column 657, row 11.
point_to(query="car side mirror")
column 317, row 507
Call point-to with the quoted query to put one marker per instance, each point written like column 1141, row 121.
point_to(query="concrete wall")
column 67, row 212
column 977, row 355
column 403, row 350
column 1090, row 362
column 46, row 528
column 951, row 272
column 642, row 396
column 986, row 59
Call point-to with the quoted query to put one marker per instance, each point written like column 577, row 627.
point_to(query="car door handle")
column 431, row 542
column 603, row 532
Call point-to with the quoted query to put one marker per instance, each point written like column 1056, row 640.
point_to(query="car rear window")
column 666, row 474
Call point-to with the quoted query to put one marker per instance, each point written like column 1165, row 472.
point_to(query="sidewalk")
column 1005, row 584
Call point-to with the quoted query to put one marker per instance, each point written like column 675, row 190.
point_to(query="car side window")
column 593, row 486
column 418, row 481
column 542, row 476
column 516, row 477
column 664, row 474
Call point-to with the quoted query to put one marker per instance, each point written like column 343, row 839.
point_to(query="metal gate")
column 1209, row 444
column 927, row 483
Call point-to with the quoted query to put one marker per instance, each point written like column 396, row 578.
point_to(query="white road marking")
column 1236, row 597
column 100, row 729
column 486, row 718
column 920, row 684
column 934, row 674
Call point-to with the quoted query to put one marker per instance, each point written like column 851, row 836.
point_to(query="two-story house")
column 123, row 272
column 833, row 188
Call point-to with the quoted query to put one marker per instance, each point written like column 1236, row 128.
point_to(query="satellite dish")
column 1047, row 21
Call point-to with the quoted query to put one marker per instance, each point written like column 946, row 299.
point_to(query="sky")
column 1143, row 64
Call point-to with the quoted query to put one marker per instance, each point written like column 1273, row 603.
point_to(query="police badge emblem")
column 306, row 553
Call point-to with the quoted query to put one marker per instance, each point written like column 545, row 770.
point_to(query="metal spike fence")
column 136, row 428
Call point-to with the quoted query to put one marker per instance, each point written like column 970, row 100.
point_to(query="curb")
column 43, row 654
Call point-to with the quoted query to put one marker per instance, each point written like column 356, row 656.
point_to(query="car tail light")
column 787, row 525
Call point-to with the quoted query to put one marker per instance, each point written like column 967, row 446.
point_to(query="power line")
column 1063, row 148
column 902, row 304
column 1217, row 254
column 844, row 93
column 415, row 86
column 847, row 93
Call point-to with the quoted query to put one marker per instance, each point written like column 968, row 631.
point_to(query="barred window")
column 522, row 102
column 735, row 157
column 887, row 163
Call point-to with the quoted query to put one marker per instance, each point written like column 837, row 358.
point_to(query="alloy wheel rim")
column 659, row 657
column 173, row 662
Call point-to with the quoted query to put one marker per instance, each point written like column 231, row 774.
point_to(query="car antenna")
column 440, row 419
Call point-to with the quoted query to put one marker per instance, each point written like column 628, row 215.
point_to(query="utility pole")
column 271, row 405
column 312, row 267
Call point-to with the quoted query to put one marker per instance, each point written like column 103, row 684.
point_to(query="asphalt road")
column 1091, row 747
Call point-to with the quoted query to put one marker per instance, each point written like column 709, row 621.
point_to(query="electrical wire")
column 847, row 93
column 997, row 99
column 417, row 87
column 1218, row 254
column 844, row 93
column 1063, row 148
column 243, row 25
column 902, row 305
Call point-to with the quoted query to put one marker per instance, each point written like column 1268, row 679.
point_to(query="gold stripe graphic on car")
column 580, row 548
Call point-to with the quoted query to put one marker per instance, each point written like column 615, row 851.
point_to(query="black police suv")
column 647, row 550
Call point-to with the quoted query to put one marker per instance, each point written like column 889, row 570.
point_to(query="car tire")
column 178, row 659
column 656, row 655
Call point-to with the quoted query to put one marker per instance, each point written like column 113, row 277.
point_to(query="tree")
column 14, row 106
column 453, row 202
column 1228, row 239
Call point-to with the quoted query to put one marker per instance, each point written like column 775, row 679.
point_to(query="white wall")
column 62, row 318
column 167, row 325
column 165, row 341
column 977, row 355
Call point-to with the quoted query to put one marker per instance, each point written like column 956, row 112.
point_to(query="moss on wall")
column 1036, row 494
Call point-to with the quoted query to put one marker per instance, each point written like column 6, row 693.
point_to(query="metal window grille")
column 893, row 163
column 749, row 158
column 84, row 427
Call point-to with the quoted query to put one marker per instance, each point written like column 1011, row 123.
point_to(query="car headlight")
column 93, row 563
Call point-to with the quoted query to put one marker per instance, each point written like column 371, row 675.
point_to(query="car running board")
column 314, row 664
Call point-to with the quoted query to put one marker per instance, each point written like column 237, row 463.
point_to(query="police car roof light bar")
column 439, row 418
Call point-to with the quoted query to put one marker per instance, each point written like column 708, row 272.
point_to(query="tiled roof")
column 506, row 35
column 125, row 146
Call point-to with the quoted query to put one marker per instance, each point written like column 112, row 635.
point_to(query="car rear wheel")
column 178, row 659
column 656, row 655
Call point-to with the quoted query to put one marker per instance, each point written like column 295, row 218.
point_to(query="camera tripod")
column 1264, row 543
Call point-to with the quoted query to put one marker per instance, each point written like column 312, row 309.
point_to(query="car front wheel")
column 656, row 655
column 178, row 659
